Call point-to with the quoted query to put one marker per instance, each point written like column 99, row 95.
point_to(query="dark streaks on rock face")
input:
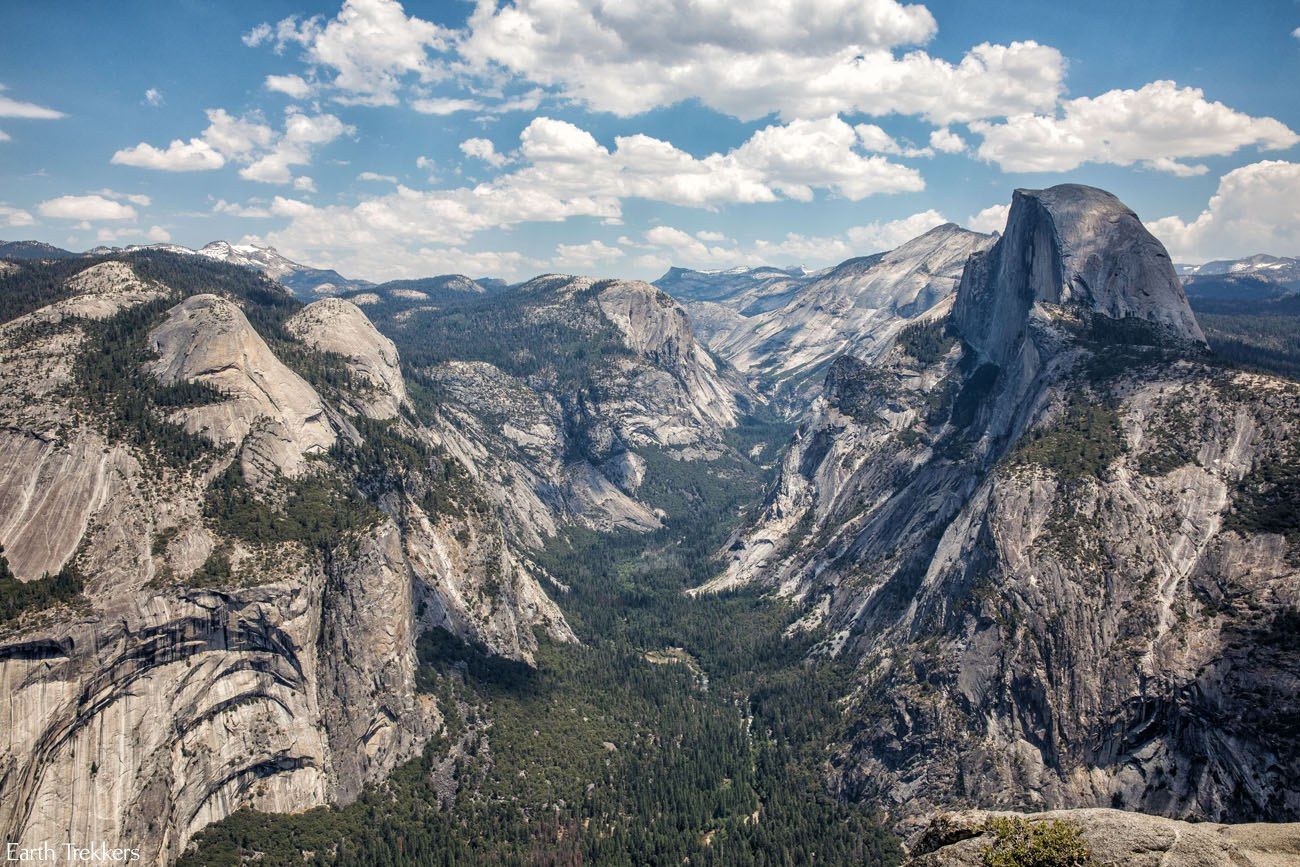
column 1072, row 624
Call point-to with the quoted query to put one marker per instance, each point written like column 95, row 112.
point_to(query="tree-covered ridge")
column 128, row 404
column 563, row 343
column 18, row 597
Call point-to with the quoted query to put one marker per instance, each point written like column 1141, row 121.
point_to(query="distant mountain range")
column 1279, row 269
column 783, row 327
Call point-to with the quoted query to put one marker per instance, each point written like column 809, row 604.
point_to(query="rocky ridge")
column 251, row 587
column 598, row 377
column 1117, row 839
column 1036, row 529
column 854, row 308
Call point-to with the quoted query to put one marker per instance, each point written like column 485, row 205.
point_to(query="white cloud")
column 795, row 248
column 579, row 257
column 565, row 173
column 266, row 155
column 424, row 163
column 134, row 198
column 807, row 153
column 990, row 219
column 152, row 235
column 1256, row 209
column 10, row 107
column 482, row 149
column 236, row 210
column 712, row 249
column 878, row 236
column 294, row 86
column 153, row 97
column 10, row 216
column 259, row 35
column 195, row 155
column 687, row 248
column 375, row 176
column 302, row 134
column 445, row 105
column 86, row 209
column 946, row 141
column 304, row 184
column 236, row 137
column 801, row 59
column 370, row 47
column 1155, row 125
column 876, row 140
column 4, row 136
column 1296, row 33
column 1175, row 168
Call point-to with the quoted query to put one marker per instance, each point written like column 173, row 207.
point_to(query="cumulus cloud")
column 11, row 216
column 302, row 133
column 1256, row 209
column 1155, row 125
column 85, row 209
column 946, row 141
column 369, row 48
column 878, row 236
column 801, row 59
column 375, row 176
column 267, row 156
column 195, row 155
column 236, row 138
column 690, row 249
column 580, row 257
column 134, row 198
column 482, row 149
column 990, row 219
column 876, row 140
column 294, row 86
column 565, row 172
column 153, row 97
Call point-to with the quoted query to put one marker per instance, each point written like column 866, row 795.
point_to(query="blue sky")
column 589, row 136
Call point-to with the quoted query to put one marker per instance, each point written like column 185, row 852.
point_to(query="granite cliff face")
column 1052, row 539
column 582, row 382
column 338, row 326
column 254, row 558
column 783, row 332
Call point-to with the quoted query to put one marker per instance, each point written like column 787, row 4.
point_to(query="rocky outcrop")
column 657, row 329
column 855, row 308
column 338, row 326
column 1116, row 839
column 1030, row 527
column 1076, row 247
column 565, row 439
column 205, row 669
column 270, row 413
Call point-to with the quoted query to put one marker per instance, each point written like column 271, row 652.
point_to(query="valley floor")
column 681, row 730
